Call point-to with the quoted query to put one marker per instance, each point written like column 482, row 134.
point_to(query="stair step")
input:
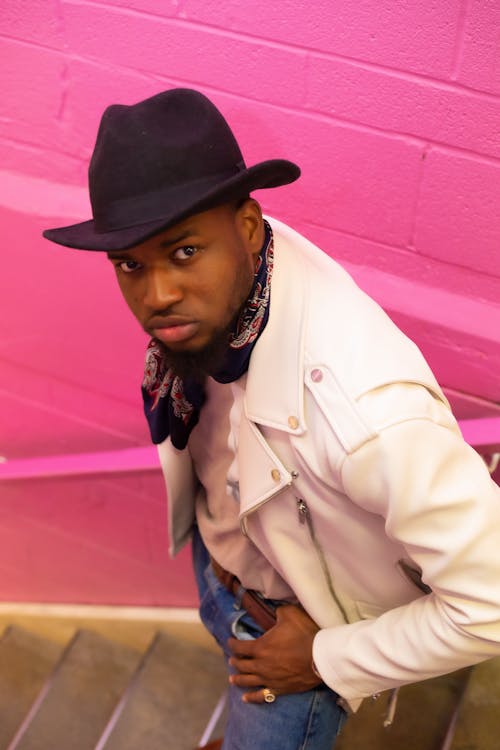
column 171, row 700
column 422, row 717
column 478, row 724
column 77, row 700
column 26, row 661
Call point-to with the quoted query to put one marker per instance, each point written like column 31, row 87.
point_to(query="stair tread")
column 26, row 660
column 478, row 724
column 421, row 721
column 88, row 682
column 173, row 698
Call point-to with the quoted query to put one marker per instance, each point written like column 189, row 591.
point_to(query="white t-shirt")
column 213, row 446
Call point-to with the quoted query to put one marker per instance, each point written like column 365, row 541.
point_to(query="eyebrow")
column 117, row 254
column 167, row 242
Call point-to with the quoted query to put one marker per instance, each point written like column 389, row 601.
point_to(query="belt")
column 250, row 600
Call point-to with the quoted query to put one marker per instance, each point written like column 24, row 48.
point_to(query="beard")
column 197, row 365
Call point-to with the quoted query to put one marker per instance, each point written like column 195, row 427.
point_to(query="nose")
column 162, row 289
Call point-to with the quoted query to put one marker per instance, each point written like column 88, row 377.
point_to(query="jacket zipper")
column 305, row 518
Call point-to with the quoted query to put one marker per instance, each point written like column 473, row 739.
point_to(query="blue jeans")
column 300, row 721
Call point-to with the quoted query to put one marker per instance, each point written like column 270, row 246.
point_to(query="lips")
column 173, row 329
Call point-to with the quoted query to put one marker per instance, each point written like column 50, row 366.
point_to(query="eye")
column 128, row 266
column 185, row 252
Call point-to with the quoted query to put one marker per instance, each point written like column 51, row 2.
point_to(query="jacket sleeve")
column 439, row 501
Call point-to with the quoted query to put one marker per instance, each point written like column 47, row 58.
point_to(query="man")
column 345, row 538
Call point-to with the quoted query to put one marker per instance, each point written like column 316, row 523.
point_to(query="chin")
column 195, row 360
column 182, row 347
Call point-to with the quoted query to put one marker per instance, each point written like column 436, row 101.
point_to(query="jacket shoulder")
column 346, row 330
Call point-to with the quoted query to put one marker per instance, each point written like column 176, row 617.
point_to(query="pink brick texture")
column 392, row 109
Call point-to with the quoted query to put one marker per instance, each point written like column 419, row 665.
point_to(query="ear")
column 251, row 225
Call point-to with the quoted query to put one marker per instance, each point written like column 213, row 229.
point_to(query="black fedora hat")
column 159, row 161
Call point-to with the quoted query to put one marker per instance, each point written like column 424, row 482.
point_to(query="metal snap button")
column 316, row 375
column 276, row 475
column 293, row 422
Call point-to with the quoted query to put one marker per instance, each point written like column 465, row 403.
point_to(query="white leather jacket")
column 357, row 486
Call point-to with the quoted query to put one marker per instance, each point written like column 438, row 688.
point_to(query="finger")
column 243, row 666
column 282, row 612
column 245, row 680
column 241, row 648
column 258, row 696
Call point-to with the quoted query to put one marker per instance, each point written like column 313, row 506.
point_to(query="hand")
column 280, row 660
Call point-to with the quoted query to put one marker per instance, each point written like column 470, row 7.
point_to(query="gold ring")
column 269, row 696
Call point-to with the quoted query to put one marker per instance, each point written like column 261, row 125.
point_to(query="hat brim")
column 85, row 236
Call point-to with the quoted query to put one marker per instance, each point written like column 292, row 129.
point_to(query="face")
column 186, row 285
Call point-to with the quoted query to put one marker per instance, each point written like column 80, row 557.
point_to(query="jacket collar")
column 273, row 401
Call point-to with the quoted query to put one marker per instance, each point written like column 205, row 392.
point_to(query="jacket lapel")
column 271, row 401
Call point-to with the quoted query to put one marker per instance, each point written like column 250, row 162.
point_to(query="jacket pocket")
column 413, row 574
column 305, row 518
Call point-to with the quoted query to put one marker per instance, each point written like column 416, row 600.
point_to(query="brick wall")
column 391, row 108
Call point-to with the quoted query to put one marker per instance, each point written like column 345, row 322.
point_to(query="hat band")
column 156, row 205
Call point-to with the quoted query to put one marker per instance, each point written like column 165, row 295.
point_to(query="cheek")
column 242, row 282
column 209, row 285
column 220, row 289
column 131, row 297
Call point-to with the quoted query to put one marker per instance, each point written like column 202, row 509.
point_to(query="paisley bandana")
column 172, row 405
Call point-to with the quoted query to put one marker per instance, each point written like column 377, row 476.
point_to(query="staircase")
column 459, row 711
column 96, row 694
column 93, row 692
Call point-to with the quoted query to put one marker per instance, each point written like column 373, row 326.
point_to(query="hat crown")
column 167, row 142
column 159, row 161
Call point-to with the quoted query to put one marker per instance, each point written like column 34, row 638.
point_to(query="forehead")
column 211, row 224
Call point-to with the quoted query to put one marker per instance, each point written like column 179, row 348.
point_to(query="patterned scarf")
column 172, row 405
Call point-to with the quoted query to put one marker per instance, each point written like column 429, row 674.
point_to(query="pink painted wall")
column 393, row 111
